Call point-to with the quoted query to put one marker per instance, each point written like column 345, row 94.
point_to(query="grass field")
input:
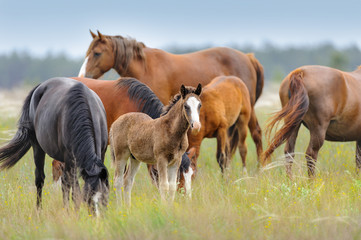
column 261, row 205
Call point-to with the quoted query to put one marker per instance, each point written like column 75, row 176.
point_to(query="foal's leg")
column 39, row 159
column 172, row 179
column 222, row 149
column 358, row 156
column 129, row 180
column 162, row 166
column 120, row 165
column 317, row 139
column 256, row 134
column 290, row 151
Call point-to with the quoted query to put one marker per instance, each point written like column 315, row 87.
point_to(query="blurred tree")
column 339, row 60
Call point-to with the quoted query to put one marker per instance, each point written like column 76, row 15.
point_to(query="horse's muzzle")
column 195, row 127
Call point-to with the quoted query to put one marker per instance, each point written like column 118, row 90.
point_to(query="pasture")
column 261, row 205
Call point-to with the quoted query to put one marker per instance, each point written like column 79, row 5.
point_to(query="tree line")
column 19, row 68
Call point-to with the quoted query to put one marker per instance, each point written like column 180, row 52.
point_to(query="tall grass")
column 260, row 205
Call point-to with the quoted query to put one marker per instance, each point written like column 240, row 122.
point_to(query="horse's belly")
column 343, row 132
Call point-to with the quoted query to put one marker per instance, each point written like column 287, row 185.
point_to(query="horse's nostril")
column 192, row 125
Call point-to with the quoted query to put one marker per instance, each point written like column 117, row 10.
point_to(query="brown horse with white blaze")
column 225, row 115
column 327, row 101
column 164, row 72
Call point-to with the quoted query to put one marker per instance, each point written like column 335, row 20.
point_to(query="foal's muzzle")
column 195, row 127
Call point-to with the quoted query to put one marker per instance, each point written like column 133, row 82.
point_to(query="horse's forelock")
column 188, row 90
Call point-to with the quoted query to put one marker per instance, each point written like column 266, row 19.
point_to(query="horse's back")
column 223, row 100
column 51, row 105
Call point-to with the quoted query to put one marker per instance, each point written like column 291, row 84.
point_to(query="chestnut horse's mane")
column 125, row 50
column 176, row 98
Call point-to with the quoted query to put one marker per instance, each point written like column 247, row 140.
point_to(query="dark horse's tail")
column 260, row 74
column 11, row 153
column 292, row 113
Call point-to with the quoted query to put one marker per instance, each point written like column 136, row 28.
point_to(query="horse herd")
column 211, row 94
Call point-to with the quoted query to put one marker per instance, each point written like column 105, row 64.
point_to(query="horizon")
column 41, row 26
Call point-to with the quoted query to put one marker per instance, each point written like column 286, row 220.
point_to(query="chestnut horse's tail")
column 292, row 113
column 260, row 74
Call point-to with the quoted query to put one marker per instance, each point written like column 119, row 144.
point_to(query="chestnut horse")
column 327, row 101
column 225, row 115
column 164, row 72
column 161, row 142
column 123, row 96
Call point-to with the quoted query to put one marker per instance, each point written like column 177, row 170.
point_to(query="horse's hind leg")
column 317, row 139
column 242, row 146
column 129, row 180
column 222, row 149
column 256, row 134
column 39, row 159
column 290, row 151
column 120, row 166
column 358, row 156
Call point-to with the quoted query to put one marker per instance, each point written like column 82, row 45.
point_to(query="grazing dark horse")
column 327, row 101
column 164, row 72
column 225, row 115
column 160, row 142
column 64, row 119
column 123, row 96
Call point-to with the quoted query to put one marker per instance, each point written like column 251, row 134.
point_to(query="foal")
column 160, row 141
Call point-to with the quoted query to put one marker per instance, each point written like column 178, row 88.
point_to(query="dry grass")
column 261, row 205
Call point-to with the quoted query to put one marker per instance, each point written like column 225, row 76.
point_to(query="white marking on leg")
column 96, row 198
column 82, row 71
column 188, row 181
column 58, row 183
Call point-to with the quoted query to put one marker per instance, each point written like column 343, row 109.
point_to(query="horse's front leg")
column 162, row 166
column 172, row 179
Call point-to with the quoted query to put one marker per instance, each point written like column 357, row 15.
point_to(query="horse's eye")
column 97, row 54
column 186, row 107
column 200, row 105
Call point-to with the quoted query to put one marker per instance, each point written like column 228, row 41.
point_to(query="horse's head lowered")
column 192, row 105
column 106, row 52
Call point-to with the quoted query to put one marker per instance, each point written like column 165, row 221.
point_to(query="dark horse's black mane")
column 147, row 101
column 81, row 126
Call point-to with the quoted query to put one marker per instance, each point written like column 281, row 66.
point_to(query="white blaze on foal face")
column 194, row 106
column 83, row 68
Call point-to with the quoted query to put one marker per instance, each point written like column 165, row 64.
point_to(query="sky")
column 44, row 26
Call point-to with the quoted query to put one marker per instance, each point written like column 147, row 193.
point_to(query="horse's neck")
column 178, row 122
column 144, row 69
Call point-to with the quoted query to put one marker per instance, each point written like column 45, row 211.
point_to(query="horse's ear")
column 198, row 91
column 183, row 91
column 101, row 37
column 93, row 34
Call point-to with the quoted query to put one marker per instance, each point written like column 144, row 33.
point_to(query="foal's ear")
column 93, row 34
column 101, row 37
column 183, row 91
column 198, row 91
